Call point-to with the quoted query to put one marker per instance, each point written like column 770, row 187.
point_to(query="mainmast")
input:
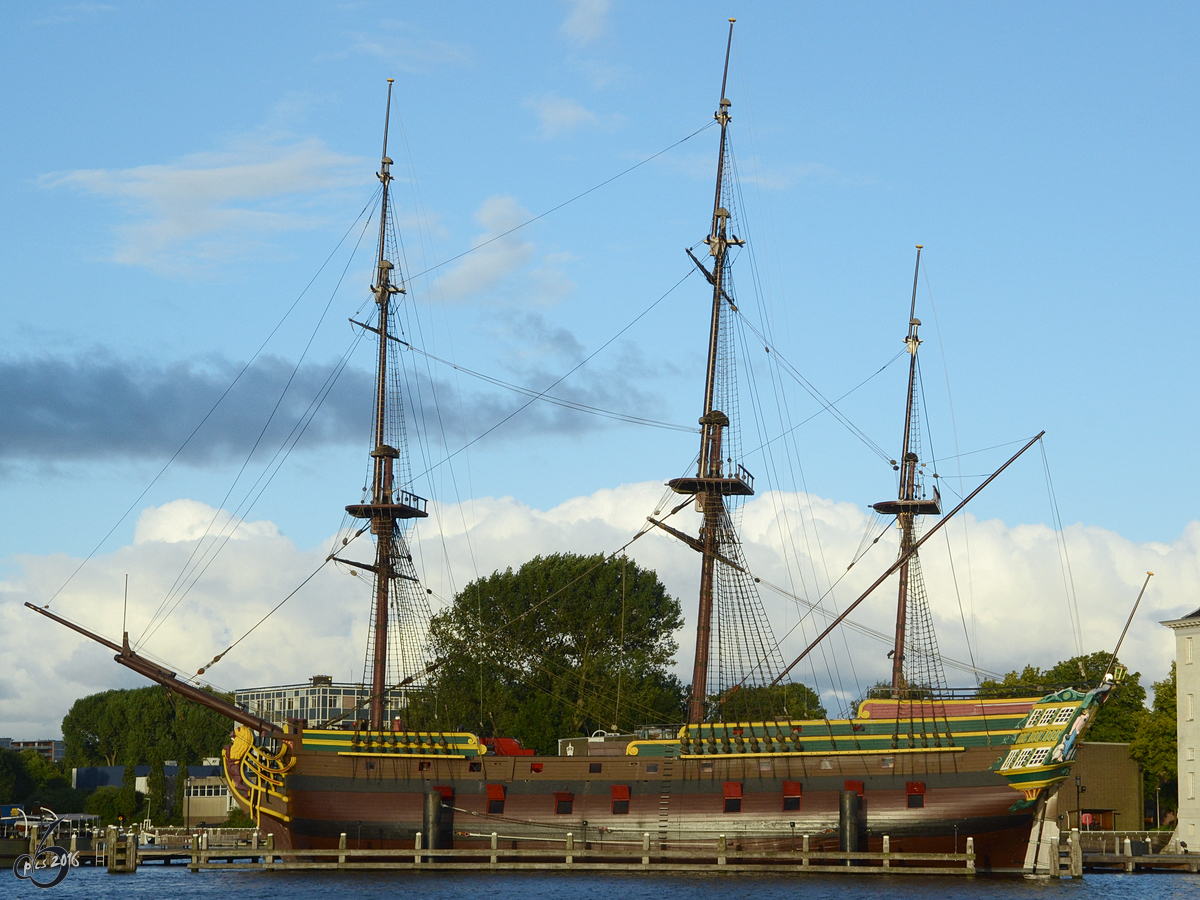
column 388, row 506
column 711, row 484
column 911, row 501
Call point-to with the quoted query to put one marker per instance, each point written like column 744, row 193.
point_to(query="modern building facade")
column 47, row 749
column 1187, row 682
column 319, row 701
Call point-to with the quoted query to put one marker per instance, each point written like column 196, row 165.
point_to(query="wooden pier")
column 570, row 855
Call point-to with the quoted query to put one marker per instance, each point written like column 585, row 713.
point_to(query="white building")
column 319, row 701
column 1187, row 676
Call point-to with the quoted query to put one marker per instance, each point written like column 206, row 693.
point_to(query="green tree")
column 1123, row 712
column 103, row 802
column 1118, row 720
column 156, row 790
column 127, row 799
column 565, row 645
column 1157, row 743
column 783, row 701
column 179, row 805
column 16, row 782
column 140, row 726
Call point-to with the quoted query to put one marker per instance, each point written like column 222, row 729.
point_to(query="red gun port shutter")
column 916, row 794
column 563, row 802
column 856, row 786
column 620, row 799
column 446, row 791
column 495, row 795
column 733, row 796
column 791, row 796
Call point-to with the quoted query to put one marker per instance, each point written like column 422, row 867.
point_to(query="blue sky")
column 172, row 179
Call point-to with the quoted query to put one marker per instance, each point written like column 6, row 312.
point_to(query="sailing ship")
column 925, row 765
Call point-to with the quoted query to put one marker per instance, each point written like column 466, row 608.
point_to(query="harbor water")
column 177, row 883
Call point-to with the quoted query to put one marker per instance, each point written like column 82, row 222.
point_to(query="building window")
column 424, row 766
column 1191, row 785
column 593, row 768
column 620, row 799
column 1191, row 754
column 495, row 795
column 706, row 767
column 733, row 796
column 1187, row 650
column 791, row 796
column 475, row 766
column 887, row 762
column 563, row 801
column 1191, row 707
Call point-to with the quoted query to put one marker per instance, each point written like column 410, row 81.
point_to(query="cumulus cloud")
column 214, row 205
column 586, row 21
column 1013, row 582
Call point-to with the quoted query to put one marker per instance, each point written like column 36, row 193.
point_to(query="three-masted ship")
column 923, row 764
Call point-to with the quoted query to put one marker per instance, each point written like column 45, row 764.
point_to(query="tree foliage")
column 1118, row 720
column 32, row 781
column 565, row 645
column 783, row 701
column 1156, row 745
column 141, row 727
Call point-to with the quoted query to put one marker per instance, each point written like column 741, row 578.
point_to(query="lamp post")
column 1079, row 817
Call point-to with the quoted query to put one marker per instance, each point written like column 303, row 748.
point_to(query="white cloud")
column 1018, row 594
column 407, row 50
column 215, row 205
column 497, row 257
column 586, row 21
column 75, row 12
column 561, row 115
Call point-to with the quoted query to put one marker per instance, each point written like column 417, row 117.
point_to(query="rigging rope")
column 558, row 381
column 370, row 203
column 554, row 209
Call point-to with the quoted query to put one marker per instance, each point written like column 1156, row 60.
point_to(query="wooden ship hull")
column 927, row 791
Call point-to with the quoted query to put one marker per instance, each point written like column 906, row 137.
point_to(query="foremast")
column 388, row 506
column 910, row 503
column 712, row 483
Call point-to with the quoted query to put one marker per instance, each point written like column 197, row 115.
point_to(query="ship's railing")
column 744, row 476
column 726, row 853
column 412, row 501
